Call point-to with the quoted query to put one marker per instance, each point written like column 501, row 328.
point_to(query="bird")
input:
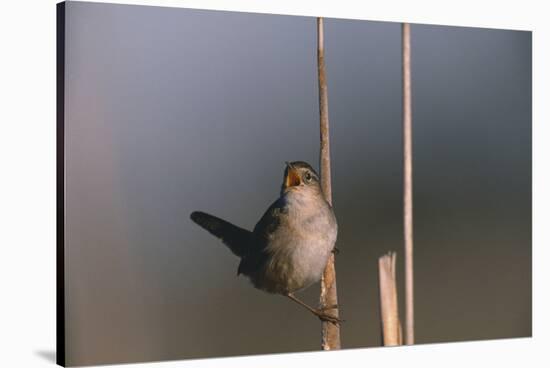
column 289, row 247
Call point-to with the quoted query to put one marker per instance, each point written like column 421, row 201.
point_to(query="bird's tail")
column 236, row 238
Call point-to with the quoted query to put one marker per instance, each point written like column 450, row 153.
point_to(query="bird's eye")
column 307, row 176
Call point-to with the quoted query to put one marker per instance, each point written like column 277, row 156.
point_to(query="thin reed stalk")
column 330, row 331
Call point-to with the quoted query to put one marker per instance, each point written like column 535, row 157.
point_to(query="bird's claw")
column 329, row 318
column 328, row 307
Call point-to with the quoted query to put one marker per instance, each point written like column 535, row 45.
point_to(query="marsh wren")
column 290, row 245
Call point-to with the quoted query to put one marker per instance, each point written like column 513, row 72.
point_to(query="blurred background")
column 174, row 110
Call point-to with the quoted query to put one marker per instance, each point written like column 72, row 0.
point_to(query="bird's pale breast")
column 298, row 249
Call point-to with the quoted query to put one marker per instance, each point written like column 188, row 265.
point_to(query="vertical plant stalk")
column 330, row 332
column 389, row 311
column 407, row 185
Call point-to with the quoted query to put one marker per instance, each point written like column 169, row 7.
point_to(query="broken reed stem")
column 330, row 332
column 407, row 184
column 389, row 311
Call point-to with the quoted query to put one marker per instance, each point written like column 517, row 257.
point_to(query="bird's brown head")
column 299, row 174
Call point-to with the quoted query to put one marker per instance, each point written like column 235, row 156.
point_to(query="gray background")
column 173, row 110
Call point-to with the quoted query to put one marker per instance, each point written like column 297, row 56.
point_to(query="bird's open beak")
column 292, row 177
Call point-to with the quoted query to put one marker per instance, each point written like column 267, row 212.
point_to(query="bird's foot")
column 326, row 317
column 319, row 312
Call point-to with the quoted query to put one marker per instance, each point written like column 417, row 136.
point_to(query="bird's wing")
column 238, row 240
column 271, row 219
column 263, row 230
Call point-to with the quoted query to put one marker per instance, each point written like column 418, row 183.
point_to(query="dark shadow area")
column 48, row 355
